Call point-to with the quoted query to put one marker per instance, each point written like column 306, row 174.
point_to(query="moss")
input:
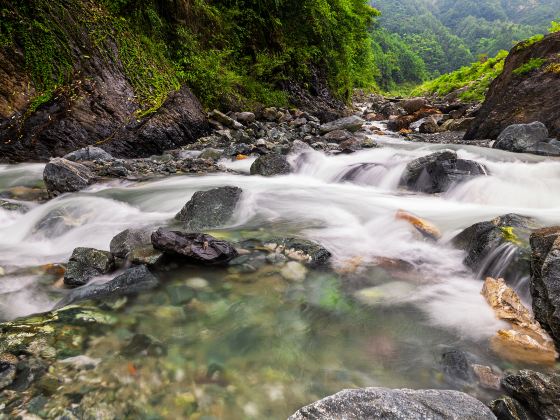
column 509, row 235
column 529, row 66
column 529, row 42
column 553, row 68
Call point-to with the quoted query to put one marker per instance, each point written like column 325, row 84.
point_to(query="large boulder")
column 210, row 209
column 352, row 124
column 521, row 137
column 62, row 175
column 134, row 280
column 538, row 393
column 439, row 171
column 498, row 248
column 395, row 404
column 522, row 97
column 86, row 263
column 413, row 105
column 545, row 279
column 270, row 165
column 193, row 247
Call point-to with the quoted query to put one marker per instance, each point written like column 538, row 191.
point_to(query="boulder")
column 210, row 209
column 128, row 240
column 62, row 175
column 439, row 171
column 520, row 137
column 545, row 279
column 245, row 117
column 89, row 153
column 549, row 148
column 506, row 408
column 225, row 120
column 86, row 263
column 499, row 247
column 270, row 165
column 429, row 126
column 134, row 280
column 352, row 124
column 414, row 104
column 337, row 136
column 193, row 247
column 537, row 392
column 395, row 404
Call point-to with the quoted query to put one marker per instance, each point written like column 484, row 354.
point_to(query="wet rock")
column 193, row 247
column 439, row 171
column 338, row 136
column 544, row 149
column 414, row 104
column 146, row 255
column 89, row 153
column 294, row 271
column 244, row 117
column 391, row 109
column 210, row 153
column 28, row 371
column 86, row 263
column 128, row 240
column 526, row 340
column 545, row 279
column 457, row 365
column 62, row 175
column 270, row 165
column 225, row 120
column 499, row 247
column 427, row 229
column 519, row 137
column 429, row 126
column 81, row 362
column 210, row 209
column 142, row 344
column 8, row 368
column 301, row 250
column 395, row 404
column 536, row 391
column 388, row 294
column 506, row 408
column 486, row 377
column 134, row 280
column 12, row 206
column 352, row 124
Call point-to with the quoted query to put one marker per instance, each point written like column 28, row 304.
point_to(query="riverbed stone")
column 128, row 240
column 193, row 247
column 270, row 165
column 519, row 137
column 507, row 408
column 210, row 209
column 8, row 368
column 352, row 124
column 89, row 153
column 12, row 206
column 395, row 404
column 86, row 263
column 62, row 175
column 302, row 250
column 225, row 120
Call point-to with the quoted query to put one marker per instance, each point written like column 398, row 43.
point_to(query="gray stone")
column 270, row 165
column 352, row 124
column 128, row 240
column 86, row 263
column 210, row 209
column 210, row 153
column 544, row 149
column 519, row 137
column 134, row 280
column 225, row 120
column 88, row 153
column 395, row 404
column 12, row 206
column 337, row 136
column 62, row 175
column 245, row 117
column 8, row 368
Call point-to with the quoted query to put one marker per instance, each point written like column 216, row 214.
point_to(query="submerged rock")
column 210, row 209
column 12, row 206
column 142, row 344
column 352, row 124
column 8, row 368
column 194, row 247
column 507, row 408
column 545, row 279
column 89, row 153
column 86, row 263
column 526, row 340
column 62, row 175
column 520, row 137
column 427, row 229
column 439, row 171
column 301, row 250
column 134, row 280
column 395, row 404
column 270, row 165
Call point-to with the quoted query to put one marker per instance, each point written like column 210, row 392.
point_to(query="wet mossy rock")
column 210, row 209
column 86, row 263
column 487, row 242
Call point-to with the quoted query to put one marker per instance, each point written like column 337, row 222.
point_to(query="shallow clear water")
column 254, row 345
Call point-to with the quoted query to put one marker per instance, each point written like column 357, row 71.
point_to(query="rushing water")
column 253, row 345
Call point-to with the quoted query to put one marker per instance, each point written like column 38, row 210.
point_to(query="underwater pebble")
column 197, row 283
column 294, row 271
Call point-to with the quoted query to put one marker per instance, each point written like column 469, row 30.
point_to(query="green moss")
column 529, row 66
column 509, row 235
column 553, row 68
column 528, row 42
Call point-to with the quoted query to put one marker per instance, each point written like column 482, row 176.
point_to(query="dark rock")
column 538, row 392
column 128, row 240
column 498, row 248
column 194, row 247
column 86, row 263
column 8, row 368
column 395, row 404
column 270, row 165
column 337, row 136
column 520, row 137
column 391, row 109
column 12, row 206
column 28, row 371
column 456, row 365
column 88, row 153
column 210, row 153
column 352, row 124
column 506, row 408
column 439, row 171
column 306, row 251
column 545, row 279
column 146, row 255
column 414, row 104
column 142, row 344
column 429, row 126
column 544, row 149
column 350, row 146
column 61, row 175
column 210, row 209
column 522, row 98
column 134, row 280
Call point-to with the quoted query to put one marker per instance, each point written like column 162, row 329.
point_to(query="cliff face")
column 97, row 106
column 525, row 92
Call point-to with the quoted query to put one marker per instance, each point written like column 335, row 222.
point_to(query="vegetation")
column 529, row 66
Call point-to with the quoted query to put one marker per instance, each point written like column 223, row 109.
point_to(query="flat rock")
column 128, row 240
column 352, row 124
column 270, row 165
column 395, row 404
column 89, row 153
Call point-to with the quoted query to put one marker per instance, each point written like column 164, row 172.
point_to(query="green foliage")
column 476, row 78
column 528, row 42
column 554, row 27
column 529, row 66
